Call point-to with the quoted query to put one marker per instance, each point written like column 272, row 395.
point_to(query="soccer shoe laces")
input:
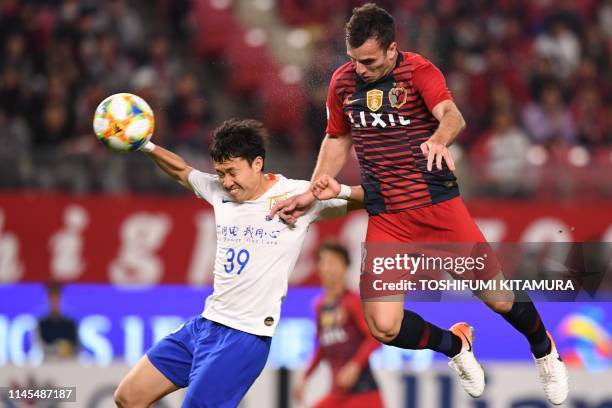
column 553, row 375
column 547, row 370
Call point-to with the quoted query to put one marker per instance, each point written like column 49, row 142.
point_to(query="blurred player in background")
column 397, row 110
column 343, row 338
column 57, row 332
column 219, row 354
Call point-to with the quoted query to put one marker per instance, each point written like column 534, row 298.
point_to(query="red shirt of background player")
column 343, row 337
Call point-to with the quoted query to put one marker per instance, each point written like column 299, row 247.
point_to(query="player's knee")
column 383, row 328
column 500, row 306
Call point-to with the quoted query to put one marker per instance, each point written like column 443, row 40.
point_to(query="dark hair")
column 234, row 138
column 370, row 21
column 338, row 249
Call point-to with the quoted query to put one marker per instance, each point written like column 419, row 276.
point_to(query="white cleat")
column 470, row 372
column 553, row 375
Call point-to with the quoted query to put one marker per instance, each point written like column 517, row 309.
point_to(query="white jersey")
column 255, row 254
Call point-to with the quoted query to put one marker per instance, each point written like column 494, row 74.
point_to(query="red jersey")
column 343, row 336
column 388, row 120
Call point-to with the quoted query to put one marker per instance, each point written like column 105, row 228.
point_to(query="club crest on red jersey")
column 374, row 99
column 334, row 317
column 397, row 96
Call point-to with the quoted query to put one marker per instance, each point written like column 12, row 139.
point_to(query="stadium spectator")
column 590, row 116
column 561, row 45
column 507, row 146
column 122, row 20
column 492, row 52
column 548, row 121
column 57, row 331
column 188, row 114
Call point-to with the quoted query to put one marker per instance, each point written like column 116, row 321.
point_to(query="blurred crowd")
column 532, row 78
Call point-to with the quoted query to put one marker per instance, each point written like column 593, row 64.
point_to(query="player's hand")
column 298, row 391
column 348, row 375
column 291, row 209
column 325, row 188
column 437, row 151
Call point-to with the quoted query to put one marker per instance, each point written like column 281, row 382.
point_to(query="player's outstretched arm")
column 327, row 187
column 332, row 155
column 171, row 163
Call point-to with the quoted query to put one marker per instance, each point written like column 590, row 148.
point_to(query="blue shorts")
column 218, row 364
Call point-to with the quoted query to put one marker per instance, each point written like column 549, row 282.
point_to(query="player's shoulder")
column 199, row 174
column 292, row 186
column 204, row 182
column 414, row 59
column 351, row 298
column 344, row 71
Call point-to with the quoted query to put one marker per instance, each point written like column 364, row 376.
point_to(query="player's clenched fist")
column 325, row 188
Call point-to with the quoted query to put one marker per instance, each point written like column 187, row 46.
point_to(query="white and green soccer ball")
column 123, row 122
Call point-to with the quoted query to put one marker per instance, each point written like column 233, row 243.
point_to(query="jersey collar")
column 270, row 191
column 399, row 59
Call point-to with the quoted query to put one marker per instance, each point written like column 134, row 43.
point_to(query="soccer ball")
column 123, row 122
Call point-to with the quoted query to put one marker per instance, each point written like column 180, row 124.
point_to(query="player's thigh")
column 143, row 385
column 173, row 355
column 226, row 363
column 384, row 315
column 165, row 368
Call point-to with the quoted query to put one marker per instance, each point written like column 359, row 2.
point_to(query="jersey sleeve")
column 204, row 185
column 429, row 82
column 328, row 209
column 337, row 123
